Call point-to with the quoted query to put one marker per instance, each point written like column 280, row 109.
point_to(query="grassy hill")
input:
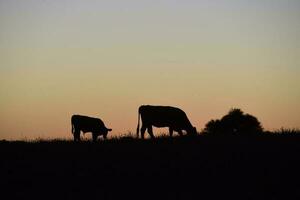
column 262, row 167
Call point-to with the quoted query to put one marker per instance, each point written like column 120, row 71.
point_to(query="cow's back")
column 86, row 124
column 162, row 116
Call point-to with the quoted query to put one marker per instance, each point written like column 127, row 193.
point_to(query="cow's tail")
column 72, row 125
column 138, row 126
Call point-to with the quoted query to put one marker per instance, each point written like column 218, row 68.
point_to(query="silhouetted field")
column 208, row 167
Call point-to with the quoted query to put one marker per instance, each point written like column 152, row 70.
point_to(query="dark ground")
column 202, row 167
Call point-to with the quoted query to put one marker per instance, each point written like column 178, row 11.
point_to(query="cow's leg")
column 150, row 131
column 104, row 136
column 171, row 132
column 143, row 129
column 76, row 135
column 180, row 132
column 94, row 137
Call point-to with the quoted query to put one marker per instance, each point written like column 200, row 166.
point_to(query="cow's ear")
column 109, row 129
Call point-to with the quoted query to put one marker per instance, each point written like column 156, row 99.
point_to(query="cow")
column 163, row 116
column 88, row 124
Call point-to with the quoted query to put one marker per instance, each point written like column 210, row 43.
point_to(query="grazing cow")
column 163, row 116
column 88, row 124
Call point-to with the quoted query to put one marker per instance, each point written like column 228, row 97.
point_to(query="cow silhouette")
column 163, row 116
column 88, row 124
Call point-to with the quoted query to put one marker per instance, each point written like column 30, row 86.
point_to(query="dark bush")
column 234, row 123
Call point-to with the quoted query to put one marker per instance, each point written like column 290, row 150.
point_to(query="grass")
column 164, row 168
column 287, row 131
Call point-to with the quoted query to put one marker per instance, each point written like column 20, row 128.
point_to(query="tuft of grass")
column 128, row 135
column 287, row 131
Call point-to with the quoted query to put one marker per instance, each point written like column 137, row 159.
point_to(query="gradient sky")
column 105, row 58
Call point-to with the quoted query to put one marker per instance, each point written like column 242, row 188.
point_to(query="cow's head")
column 106, row 130
column 192, row 131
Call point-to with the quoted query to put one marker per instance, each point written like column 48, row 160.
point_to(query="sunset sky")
column 105, row 58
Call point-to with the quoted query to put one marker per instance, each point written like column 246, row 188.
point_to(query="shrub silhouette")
column 234, row 123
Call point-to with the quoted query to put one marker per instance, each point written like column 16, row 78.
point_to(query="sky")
column 106, row 58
